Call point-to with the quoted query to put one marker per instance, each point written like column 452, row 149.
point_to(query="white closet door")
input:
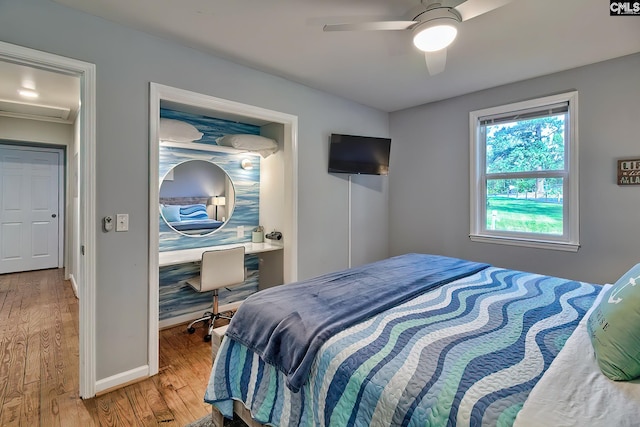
column 29, row 216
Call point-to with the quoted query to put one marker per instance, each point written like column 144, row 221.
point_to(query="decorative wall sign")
column 629, row 172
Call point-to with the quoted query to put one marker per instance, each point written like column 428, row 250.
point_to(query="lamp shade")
column 219, row 201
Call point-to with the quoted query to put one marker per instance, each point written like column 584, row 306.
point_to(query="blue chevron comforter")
column 286, row 325
column 465, row 353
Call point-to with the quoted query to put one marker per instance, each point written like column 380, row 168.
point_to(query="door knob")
column 53, row 215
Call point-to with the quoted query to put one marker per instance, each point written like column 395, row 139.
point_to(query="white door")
column 29, row 202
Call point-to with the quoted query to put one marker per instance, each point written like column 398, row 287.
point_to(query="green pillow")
column 614, row 328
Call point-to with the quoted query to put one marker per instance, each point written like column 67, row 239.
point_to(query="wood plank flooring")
column 39, row 365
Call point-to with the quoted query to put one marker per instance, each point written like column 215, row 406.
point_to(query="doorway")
column 286, row 170
column 86, row 194
column 32, row 208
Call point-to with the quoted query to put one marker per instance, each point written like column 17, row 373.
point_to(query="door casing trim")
column 87, row 147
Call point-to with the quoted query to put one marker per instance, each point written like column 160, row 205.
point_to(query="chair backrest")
column 221, row 268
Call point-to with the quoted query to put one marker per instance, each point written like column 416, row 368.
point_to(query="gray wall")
column 429, row 185
column 126, row 61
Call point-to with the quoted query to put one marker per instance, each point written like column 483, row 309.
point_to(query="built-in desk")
column 192, row 255
column 178, row 303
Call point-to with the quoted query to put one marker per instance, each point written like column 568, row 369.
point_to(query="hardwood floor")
column 39, row 365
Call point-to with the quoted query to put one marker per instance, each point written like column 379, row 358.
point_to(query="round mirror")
column 196, row 198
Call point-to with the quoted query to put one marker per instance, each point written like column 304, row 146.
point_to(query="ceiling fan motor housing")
column 436, row 13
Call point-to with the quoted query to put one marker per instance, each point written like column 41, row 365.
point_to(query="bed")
column 196, row 226
column 188, row 218
column 416, row 340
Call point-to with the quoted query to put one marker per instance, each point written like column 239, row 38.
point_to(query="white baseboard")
column 122, row 378
column 74, row 285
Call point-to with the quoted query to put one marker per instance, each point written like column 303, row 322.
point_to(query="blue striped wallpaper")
column 176, row 297
column 211, row 128
column 245, row 182
column 247, row 188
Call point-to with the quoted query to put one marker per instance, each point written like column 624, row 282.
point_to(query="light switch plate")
column 240, row 232
column 122, row 222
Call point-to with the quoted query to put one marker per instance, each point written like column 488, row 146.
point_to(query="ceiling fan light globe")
column 435, row 35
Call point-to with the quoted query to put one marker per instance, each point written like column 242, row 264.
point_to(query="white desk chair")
column 219, row 269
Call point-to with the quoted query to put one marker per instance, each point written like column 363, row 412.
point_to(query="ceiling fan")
column 434, row 26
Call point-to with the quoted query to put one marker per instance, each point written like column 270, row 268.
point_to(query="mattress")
column 467, row 353
column 574, row 392
column 196, row 224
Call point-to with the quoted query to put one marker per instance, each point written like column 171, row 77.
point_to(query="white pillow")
column 178, row 131
column 257, row 143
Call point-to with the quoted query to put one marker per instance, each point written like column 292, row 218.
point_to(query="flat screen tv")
column 359, row 154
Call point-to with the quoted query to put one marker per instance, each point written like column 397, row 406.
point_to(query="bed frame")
column 238, row 407
column 184, row 200
column 240, row 410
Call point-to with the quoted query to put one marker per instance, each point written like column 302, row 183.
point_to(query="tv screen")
column 359, row 154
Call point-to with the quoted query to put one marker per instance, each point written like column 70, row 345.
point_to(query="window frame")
column 569, row 240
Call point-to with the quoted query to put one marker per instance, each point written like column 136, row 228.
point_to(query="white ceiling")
column 59, row 94
column 524, row 39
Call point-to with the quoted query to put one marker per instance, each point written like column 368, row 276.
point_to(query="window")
column 524, row 173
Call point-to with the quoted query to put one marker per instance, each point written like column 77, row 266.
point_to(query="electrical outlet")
column 122, row 222
column 240, row 231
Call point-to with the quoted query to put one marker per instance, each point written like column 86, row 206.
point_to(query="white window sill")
column 538, row 244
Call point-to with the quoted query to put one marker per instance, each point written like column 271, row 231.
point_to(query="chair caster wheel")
column 191, row 330
column 207, row 338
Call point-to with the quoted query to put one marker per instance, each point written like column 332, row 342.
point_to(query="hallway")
column 39, row 365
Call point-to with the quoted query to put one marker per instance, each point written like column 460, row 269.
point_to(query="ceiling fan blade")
column 436, row 61
column 472, row 8
column 371, row 26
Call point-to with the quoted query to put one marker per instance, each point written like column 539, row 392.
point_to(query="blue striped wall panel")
column 176, row 297
column 247, row 187
column 212, row 128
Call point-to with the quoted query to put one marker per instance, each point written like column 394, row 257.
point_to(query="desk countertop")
column 192, row 255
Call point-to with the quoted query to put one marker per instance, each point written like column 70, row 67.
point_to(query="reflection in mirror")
column 196, row 198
